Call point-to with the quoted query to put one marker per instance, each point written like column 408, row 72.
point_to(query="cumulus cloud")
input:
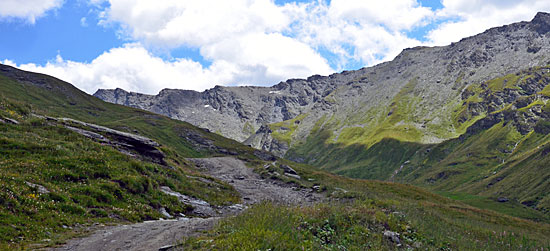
column 134, row 68
column 27, row 9
column 195, row 23
column 361, row 31
column 470, row 17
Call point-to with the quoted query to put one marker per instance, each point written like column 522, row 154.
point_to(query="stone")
column 127, row 143
column 503, row 199
column 167, row 247
column 11, row 121
column 163, row 211
column 392, row 236
column 263, row 155
column 293, row 176
column 41, row 189
column 288, row 169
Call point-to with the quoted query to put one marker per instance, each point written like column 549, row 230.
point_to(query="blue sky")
column 62, row 32
column 149, row 45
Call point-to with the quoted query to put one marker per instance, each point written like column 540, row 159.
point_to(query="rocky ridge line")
column 434, row 76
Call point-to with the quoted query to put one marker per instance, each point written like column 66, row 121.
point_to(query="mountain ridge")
column 240, row 112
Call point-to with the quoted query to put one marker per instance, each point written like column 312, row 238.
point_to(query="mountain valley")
column 458, row 118
column 442, row 148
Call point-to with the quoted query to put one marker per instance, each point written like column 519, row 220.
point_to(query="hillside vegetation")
column 501, row 154
column 56, row 183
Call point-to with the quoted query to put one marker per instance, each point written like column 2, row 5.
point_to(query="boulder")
column 11, row 121
column 41, row 189
column 392, row 236
column 288, row 169
column 127, row 143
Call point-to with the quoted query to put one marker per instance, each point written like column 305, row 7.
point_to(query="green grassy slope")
column 56, row 98
column 502, row 152
column 89, row 182
column 364, row 211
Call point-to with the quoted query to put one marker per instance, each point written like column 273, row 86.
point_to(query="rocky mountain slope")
column 411, row 98
column 370, row 122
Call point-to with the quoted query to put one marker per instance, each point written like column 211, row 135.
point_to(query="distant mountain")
column 406, row 120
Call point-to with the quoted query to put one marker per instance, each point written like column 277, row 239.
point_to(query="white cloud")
column 27, row 9
column 366, row 32
column 361, row 31
column 475, row 16
column 395, row 14
column 174, row 23
column 83, row 22
column 133, row 68
column 281, row 57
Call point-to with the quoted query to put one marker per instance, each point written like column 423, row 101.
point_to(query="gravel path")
column 154, row 235
column 149, row 235
column 250, row 185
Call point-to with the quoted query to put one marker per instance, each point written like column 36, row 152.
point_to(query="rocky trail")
column 164, row 234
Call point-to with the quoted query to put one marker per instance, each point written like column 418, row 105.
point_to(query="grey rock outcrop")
column 39, row 188
column 127, row 143
column 434, row 78
column 392, row 236
column 9, row 121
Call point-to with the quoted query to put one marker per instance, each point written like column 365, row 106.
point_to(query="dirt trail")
column 250, row 185
column 149, row 235
column 153, row 235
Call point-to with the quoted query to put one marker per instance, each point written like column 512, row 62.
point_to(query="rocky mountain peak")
column 541, row 22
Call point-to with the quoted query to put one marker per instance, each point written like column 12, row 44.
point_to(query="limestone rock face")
column 416, row 92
